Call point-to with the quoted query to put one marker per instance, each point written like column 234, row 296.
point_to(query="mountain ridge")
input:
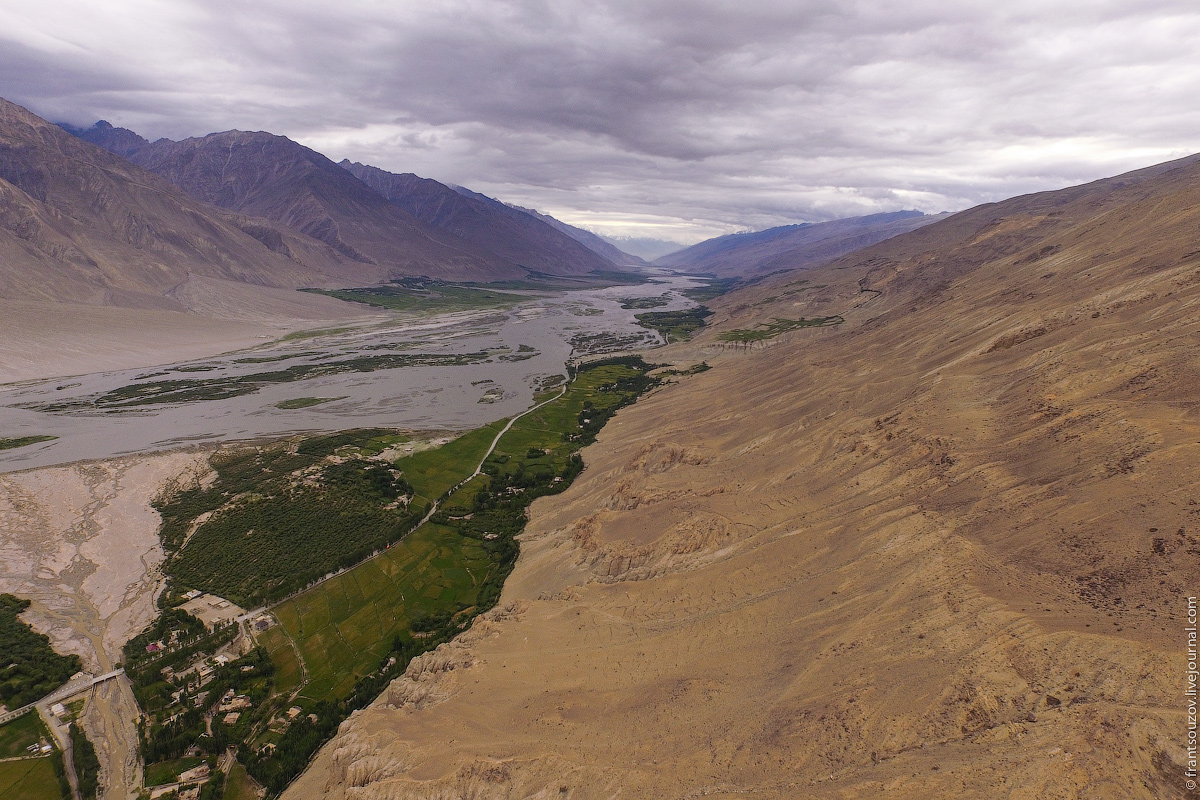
column 522, row 238
column 752, row 254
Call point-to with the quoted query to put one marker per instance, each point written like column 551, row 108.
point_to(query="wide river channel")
column 453, row 371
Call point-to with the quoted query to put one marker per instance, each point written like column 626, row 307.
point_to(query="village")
column 205, row 687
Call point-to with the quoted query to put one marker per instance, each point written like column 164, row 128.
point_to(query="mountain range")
column 401, row 224
column 749, row 255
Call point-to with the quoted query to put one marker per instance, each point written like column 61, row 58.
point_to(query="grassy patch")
column 23, row 441
column 305, row 402
column 769, row 330
column 239, row 786
column 313, row 334
column 288, row 672
column 694, row 369
column 34, row 779
column 645, row 302
column 675, row 325
column 19, row 734
column 433, row 472
column 31, row 669
column 542, row 282
column 184, row 390
column 425, row 295
column 165, row 772
column 714, row 288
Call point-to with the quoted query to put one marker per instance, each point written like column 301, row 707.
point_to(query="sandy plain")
column 46, row 339
column 81, row 542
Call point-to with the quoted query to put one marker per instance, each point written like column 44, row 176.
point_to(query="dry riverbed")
column 81, row 542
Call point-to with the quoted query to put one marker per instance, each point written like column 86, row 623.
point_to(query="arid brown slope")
column 940, row 553
column 78, row 224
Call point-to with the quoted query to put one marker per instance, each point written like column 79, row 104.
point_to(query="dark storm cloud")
column 694, row 117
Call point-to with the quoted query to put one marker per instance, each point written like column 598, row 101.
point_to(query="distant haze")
column 654, row 118
column 648, row 249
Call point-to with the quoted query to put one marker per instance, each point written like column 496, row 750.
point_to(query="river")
column 505, row 355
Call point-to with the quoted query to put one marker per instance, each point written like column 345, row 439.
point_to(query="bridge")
column 69, row 689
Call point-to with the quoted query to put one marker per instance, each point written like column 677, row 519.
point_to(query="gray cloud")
column 658, row 118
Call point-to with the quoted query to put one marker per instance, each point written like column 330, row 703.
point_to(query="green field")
column 31, row 779
column 675, row 325
column 23, row 731
column 305, row 402
column 432, row 472
column 22, row 441
column 347, row 625
column 769, row 330
column 425, row 295
column 239, row 786
column 168, row 771
column 288, row 672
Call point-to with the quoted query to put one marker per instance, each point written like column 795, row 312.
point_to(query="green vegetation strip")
column 181, row 390
column 675, row 325
column 31, row 669
column 87, row 765
column 424, row 295
column 428, row 587
column 769, row 330
column 645, row 302
column 306, row 402
column 23, row 441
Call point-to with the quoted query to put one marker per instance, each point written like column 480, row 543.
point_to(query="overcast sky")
column 679, row 120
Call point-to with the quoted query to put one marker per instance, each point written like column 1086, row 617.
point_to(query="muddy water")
column 525, row 346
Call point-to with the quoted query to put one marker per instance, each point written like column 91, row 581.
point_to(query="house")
column 235, row 704
column 232, row 717
column 222, row 660
column 193, row 594
column 293, row 712
column 194, row 775
column 58, row 710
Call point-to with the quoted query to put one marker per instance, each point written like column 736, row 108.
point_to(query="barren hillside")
column 939, row 550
